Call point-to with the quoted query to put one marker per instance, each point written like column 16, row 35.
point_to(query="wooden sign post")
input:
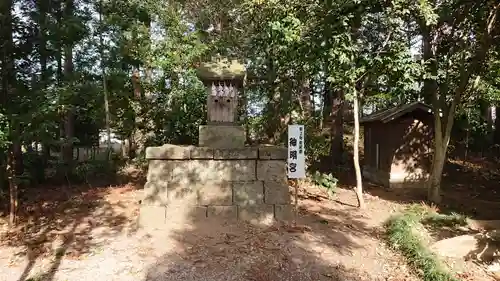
column 296, row 159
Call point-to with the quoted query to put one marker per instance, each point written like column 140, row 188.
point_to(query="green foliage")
column 33, row 174
column 317, row 146
column 4, row 131
column 402, row 235
column 100, row 170
column 326, row 181
column 440, row 220
column 298, row 55
column 175, row 115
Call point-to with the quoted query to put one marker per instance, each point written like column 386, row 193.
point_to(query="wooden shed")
column 398, row 145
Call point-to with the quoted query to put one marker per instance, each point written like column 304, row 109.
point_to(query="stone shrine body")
column 221, row 177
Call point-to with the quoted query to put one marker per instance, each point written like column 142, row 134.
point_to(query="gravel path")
column 332, row 241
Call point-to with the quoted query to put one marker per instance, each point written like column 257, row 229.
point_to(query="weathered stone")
column 179, row 213
column 168, row 151
column 480, row 225
column 201, row 152
column 223, row 212
column 222, row 69
column 271, row 170
column 273, row 153
column 201, row 171
column 248, row 193
column 465, row 245
column 259, row 214
column 183, row 194
column 215, row 193
column 277, row 192
column 159, row 170
column 284, row 212
column 220, row 136
column 236, row 153
column 155, row 193
column 151, row 217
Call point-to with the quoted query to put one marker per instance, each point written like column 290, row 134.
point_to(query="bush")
column 327, row 181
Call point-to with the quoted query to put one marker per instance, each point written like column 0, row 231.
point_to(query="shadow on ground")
column 325, row 244
column 465, row 191
column 66, row 223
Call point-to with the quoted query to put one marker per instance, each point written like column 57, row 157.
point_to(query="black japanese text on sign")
column 292, row 166
column 296, row 157
column 301, row 138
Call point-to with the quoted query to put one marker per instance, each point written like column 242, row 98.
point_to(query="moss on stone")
column 222, row 69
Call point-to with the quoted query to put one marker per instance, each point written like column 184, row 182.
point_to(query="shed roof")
column 390, row 114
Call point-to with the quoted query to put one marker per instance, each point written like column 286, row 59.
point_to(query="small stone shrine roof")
column 222, row 69
column 392, row 113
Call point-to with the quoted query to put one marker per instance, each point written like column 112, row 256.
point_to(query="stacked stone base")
column 191, row 183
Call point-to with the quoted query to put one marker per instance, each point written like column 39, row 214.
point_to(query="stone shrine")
column 221, row 177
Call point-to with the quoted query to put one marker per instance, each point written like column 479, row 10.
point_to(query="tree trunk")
column 439, row 159
column 8, row 80
column 273, row 115
column 305, row 99
column 43, row 10
column 137, row 138
column 59, row 78
column 357, row 168
column 337, row 128
column 272, row 110
column 468, row 68
column 69, row 113
column 12, row 173
column 496, row 134
column 104, row 86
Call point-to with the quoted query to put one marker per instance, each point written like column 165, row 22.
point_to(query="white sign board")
column 296, row 154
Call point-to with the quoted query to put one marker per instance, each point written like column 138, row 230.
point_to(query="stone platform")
column 186, row 183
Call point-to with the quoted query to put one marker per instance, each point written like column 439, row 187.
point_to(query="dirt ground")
column 471, row 268
column 91, row 234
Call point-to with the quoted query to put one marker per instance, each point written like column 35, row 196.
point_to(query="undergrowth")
column 402, row 235
column 326, row 181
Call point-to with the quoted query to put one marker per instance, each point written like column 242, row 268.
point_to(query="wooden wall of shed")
column 412, row 155
column 377, row 133
column 404, row 145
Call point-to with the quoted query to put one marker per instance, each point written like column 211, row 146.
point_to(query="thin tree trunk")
column 69, row 114
column 11, row 175
column 43, row 10
column 104, row 86
column 337, row 128
column 496, row 134
column 137, row 144
column 8, row 79
column 327, row 104
column 273, row 116
column 357, row 168
column 272, row 126
column 59, row 78
column 305, row 99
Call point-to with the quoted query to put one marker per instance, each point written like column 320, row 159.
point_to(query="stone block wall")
column 191, row 183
